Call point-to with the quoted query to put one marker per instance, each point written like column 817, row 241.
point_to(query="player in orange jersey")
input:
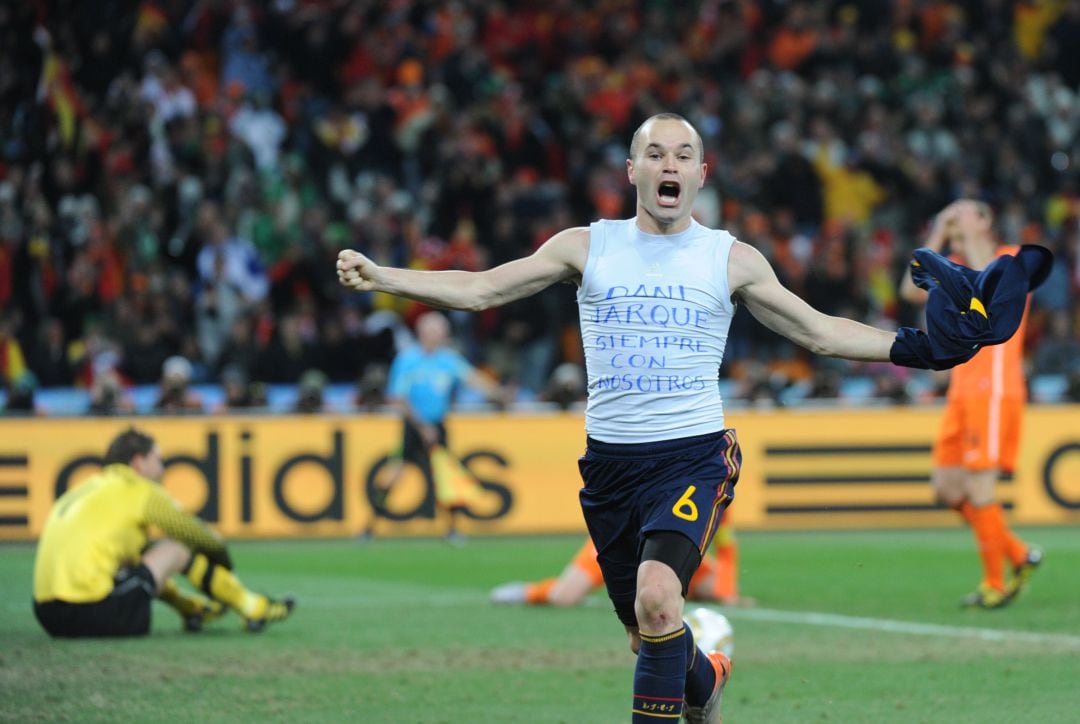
column 980, row 432
column 715, row 580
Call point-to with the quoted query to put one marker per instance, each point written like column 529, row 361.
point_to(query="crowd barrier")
column 291, row 476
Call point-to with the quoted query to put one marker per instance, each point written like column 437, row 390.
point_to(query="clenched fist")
column 356, row 271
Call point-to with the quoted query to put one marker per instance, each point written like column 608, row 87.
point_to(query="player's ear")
column 630, row 170
column 704, row 172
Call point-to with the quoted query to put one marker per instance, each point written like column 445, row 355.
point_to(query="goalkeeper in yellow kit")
column 96, row 571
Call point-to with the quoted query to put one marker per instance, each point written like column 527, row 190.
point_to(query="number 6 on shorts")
column 684, row 507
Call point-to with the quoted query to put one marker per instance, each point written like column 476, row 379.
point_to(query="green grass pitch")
column 850, row 627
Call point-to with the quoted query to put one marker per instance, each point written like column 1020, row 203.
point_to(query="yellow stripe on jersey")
column 977, row 306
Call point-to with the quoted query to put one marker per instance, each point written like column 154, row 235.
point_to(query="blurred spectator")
column 262, row 129
column 290, row 352
column 244, row 66
column 792, row 183
column 566, row 386
column 231, row 260
column 891, row 387
column 797, row 38
column 310, row 399
column 756, row 385
column 175, row 394
column 12, row 361
column 20, row 394
column 237, row 390
column 1062, row 47
column 1054, row 295
column 258, row 397
column 166, row 175
column 49, row 358
column 217, row 307
column 826, row 382
column 1058, row 352
column 524, row 350
column 238, row 351
column 107, row 396
column 371, row 388
column 1072, row 389
column 145, row 354
column 162, row 89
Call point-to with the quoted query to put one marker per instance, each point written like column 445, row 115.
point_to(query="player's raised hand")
column 939, row 230
column 356, row 271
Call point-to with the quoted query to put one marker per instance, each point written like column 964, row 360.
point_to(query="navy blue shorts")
column 632, row 490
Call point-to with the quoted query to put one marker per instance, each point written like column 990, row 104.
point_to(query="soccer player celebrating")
column 656, row 296
column 980, row 433
column 94, row 574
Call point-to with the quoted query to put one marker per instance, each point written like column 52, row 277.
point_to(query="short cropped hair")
column 635, row 142
column 128, row 444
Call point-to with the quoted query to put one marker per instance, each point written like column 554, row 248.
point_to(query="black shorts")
column 124, row 612
column 413, row 448
column 632, row 490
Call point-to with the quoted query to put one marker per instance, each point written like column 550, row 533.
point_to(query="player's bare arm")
column 561, row 258
column 754, row 283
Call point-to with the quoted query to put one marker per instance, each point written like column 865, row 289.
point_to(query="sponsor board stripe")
column 845, row 479
column 785, row 450
column 863, row 508
column 858, row 479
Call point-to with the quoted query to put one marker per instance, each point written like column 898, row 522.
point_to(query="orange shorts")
column 979, row 434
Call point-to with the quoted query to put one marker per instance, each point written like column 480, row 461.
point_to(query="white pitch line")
column 393, row 593
column 813, row 618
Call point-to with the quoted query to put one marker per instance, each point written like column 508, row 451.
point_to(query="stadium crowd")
column 177, row 176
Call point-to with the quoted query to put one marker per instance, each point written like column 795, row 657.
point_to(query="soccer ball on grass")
column 712, row 631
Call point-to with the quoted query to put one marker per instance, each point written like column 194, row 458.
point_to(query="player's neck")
column 649, row 224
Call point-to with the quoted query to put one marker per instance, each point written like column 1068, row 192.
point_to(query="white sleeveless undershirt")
column 655, row 312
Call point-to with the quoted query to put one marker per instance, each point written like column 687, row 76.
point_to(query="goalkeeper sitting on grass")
column 95, row 575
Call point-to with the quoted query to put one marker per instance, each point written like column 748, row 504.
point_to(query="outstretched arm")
column 754, row 283
column 561, row 258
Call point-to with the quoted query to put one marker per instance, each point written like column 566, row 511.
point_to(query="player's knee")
column 164, row 558
column 658, row 606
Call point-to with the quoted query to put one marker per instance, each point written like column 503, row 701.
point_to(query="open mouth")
column 668, row 193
